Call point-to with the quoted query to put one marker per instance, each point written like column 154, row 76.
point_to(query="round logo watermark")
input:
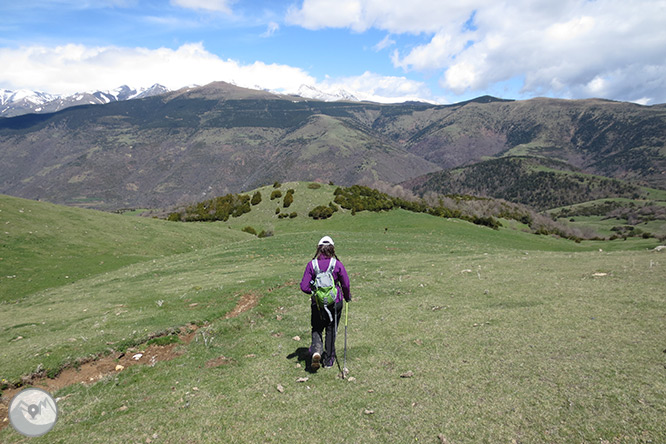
column 33, row 412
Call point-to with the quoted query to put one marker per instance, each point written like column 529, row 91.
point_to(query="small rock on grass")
column 280, row 388
column 302, row 379
column 369, row 412
column 408, row 374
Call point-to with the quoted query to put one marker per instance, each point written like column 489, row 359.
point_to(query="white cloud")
column 439, row 53
column 336, row 13
column 396, row 16
column 271, row 29
column 569, row 48
column 205, row 5
column 378, row 88
column 76, row 68
column 575, row 28
column 386, row 42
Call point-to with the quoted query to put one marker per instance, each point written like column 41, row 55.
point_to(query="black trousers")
column 320, row 321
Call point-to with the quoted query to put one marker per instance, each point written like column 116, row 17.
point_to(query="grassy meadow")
column 457, row 333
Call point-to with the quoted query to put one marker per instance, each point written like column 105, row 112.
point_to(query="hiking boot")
column 329, row 362
column 316, row 358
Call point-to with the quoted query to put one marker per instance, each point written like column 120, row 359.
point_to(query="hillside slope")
column 613, row 139
column 48, row 246
column 540, row 183
column 456, row 333
column 219, row 138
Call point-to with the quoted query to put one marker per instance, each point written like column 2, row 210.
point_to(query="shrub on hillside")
column 314, row 186
column 256, row 199
column 288, row 199
column 250, row 230
column 321, row 212
column 242, row 209
column 276, row 194
column 362, row 198
column 487, row 221
column 219, row 208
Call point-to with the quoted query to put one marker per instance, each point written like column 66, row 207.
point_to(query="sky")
column 441, row 51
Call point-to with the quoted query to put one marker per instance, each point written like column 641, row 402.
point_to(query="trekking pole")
column 344, row 360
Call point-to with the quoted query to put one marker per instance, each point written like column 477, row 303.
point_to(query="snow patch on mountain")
column 14, row 103
column 310, row 92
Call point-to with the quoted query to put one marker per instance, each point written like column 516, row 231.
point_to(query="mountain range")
column 181, row 146
column 15, row 103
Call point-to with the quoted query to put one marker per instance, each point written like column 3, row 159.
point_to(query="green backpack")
column 324, row 284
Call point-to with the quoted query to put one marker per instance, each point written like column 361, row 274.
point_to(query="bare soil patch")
column 246, row 302
column 218, row 362
column 96, row 369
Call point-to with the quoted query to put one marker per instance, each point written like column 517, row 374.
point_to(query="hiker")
column 325, row 314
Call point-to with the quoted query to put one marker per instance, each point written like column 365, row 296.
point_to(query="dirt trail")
column 95, row 370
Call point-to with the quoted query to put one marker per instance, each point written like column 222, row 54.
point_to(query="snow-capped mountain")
column 14, row 103
column 310, row 92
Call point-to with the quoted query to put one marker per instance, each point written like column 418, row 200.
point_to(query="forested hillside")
column 539, row 183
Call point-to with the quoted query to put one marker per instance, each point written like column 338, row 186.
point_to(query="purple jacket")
column 339, row 275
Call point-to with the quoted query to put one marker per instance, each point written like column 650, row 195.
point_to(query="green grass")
column 510, row 337
column 48, row 246
column 603, row 225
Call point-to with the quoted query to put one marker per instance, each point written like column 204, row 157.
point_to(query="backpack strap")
column 331, row 266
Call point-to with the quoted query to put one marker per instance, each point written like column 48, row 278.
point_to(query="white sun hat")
column 326, row 240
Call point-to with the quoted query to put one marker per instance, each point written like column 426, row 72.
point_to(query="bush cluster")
column 361, row 198
column 250, row 230
column 261, row 234
column 219, row 208
column 321, row 212
column 288, row 198
column 285, row 215
column 256, row 198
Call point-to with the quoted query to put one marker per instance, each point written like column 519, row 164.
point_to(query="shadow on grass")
column 303, row 356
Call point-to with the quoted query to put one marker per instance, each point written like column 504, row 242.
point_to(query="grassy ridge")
column 509, row 336
column 45, row 245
